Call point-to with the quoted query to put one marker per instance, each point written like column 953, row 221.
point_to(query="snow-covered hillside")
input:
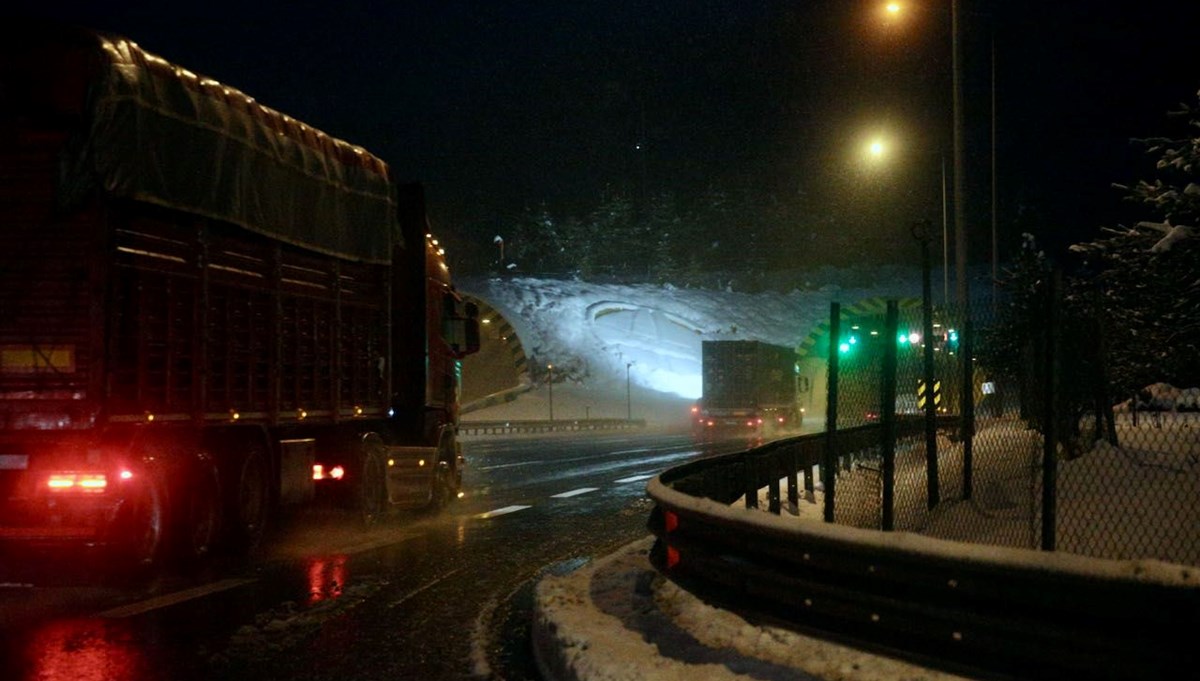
column 594, row 333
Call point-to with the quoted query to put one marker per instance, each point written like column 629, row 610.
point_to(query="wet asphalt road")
column 420, row 597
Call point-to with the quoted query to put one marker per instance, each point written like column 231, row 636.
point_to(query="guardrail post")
column 829, row 457
column 749, row 483
column 793, row 468
column 887, row 416
column 1050, row 421
column 773, row 502
column 806, row 463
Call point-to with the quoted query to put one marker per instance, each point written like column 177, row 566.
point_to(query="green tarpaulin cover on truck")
column 155, row 132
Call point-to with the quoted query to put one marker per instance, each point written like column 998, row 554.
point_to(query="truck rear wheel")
column 200, row 516
column 251, row 500
column 142, row 529
column 445, row 480
column 372, row 484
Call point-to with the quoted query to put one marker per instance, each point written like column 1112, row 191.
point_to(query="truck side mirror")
column 471, row 330
column 460, row 329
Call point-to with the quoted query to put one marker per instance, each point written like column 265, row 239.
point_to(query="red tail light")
column 672, row 557
column 670, row 521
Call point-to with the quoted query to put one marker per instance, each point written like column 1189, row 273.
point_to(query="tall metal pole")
column 967, row 388
column 995, row 239
column 945, row 239
column 960, row 199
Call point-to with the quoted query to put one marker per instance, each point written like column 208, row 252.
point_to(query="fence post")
column 967, row 348
column 1050, row 410
column 887, row 417
column 931, row 455
column 829, row 457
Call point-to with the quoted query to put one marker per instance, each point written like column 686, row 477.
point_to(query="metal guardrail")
column 528, row 426
column 989, row 612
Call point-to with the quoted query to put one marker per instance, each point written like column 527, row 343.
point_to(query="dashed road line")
column 414, row 592
column 574, row 492
column 634, row 478
column 173, row 598
column 502, row 511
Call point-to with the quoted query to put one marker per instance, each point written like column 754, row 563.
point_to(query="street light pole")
column 945, row 239
column 550, row 386
column 960, row 231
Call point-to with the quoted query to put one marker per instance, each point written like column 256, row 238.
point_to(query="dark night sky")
column 497, row 105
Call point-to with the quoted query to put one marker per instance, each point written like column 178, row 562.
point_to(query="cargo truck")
column 748, row 389
column 209, row 312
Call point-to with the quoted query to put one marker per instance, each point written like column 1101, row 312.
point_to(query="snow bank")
column 619, row 620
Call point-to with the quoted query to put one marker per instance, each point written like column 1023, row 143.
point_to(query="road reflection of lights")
column 327, row 577
column 460, row 536
column 85, row 650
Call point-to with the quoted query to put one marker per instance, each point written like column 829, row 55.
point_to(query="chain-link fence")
column 1125, row 479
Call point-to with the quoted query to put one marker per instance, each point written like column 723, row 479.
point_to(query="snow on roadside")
column 619, row 620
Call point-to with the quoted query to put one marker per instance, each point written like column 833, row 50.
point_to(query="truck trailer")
column 209, row 312
column 748, row 389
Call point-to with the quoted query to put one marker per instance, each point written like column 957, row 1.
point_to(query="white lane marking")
column 574, row 492
column 634, row 478
column 507, row 465
column 416, row 591
column 643, row 450
column 371, row 544
column 174, row 598
column 502, row 511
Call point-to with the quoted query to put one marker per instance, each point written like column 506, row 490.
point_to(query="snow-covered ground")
column 1137, row 501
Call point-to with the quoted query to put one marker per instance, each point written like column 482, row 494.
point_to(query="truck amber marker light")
column 82, row 482
column 335, row 473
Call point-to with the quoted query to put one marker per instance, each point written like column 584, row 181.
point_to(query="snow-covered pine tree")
column 1148, row 275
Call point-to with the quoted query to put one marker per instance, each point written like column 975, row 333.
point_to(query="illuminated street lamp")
column 892, row 11
column 876, row 151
